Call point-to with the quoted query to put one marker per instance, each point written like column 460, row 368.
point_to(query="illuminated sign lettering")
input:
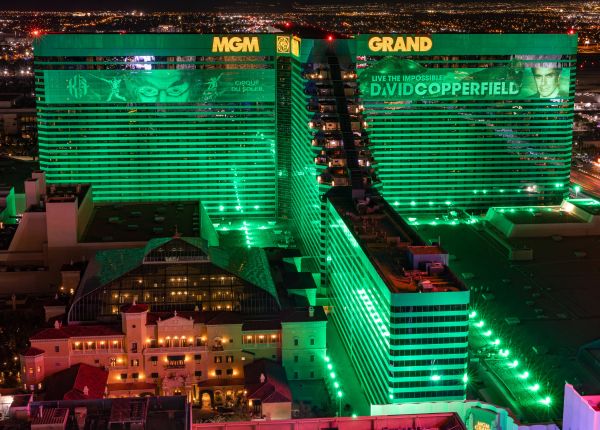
column 400, row 43
column 235, row 44
column 296, row 46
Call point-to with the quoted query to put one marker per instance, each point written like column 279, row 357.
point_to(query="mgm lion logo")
column 283, row 44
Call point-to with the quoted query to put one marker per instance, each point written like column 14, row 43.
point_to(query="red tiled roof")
column 67, row 332
column 134, row 308
column 32, row 352
column 70, row 384
column 131, row 386
column 274, row 389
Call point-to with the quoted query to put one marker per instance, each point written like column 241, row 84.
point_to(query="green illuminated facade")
column 405, row 345
column 469, row 121
column 168, row 117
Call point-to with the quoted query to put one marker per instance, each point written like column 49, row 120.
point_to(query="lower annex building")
column 201, row 324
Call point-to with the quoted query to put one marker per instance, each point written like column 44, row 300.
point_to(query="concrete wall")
column 31, row 234
column 578, row 414
column 61, row 218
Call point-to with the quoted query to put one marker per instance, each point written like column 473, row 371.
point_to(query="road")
column 589, row 182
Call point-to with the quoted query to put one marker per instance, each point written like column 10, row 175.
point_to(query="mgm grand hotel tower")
column 339, row 137
column 469, row 121
column 150, row 117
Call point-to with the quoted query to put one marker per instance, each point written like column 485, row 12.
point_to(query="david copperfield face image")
column 546, row 80
column 162, row 86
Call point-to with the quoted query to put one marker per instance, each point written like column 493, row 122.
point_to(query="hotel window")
column 135, row 375
column 135, row 362
column 198, row 373
column 133, row 346
column 218, row 359
column 295, row 341
column 230, row 371
column 56, row 348
column 312, row 340
column 154, row 375
column 198, row 357
column 295, row 375
column 261, row 339
column 113, row 362
column 154, row 360
column 218, row 372
column 312, row 358
column 229, row 359
column 312, row 374
column 248, row 338
column 295, row 358
column 123, row 375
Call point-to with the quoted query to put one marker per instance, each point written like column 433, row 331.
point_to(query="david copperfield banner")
column 394, row 78
column 159, row 86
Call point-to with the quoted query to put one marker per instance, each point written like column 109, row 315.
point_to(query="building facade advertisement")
column 395, row 78
column 158, row 86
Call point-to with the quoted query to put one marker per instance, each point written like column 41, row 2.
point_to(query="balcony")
column 97, row 351
column 174, row 349
column 174, row 366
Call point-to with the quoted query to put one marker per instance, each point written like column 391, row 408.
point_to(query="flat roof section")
column 540, row 215
column 140, row 222
column 388, row 242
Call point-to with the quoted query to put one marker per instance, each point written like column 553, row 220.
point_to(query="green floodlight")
column 327, row 359
column 465, row 378
column 354, row 415
column 513, row 364
column 339, row 394
column 535, row 387
column 473, row 314
column 480, row 324
column 435, row 377
column 524, row 375
column 336, row 384
column 546, row 401
column 496, row 342
column 487, row 333
column 332, row 375
column 504, row 352
column 329, row 366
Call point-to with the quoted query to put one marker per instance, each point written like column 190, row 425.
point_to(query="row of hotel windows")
column 428, row 319
column 197, row 373
column 422, row 394
column 429, row 351
column 427, row 362
column 428, row 340
column 428, row 330
column 426, row 383
column 428, row 372
column 438, row 308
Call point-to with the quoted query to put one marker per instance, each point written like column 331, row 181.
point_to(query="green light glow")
column 473, row 314
column 546, row 400
column 354, row 415
column 339, row 394
column 524, row 375
column 332, row 375
column 435, row 377
column 513, row 364
column 487, row 333
column 504, row 352
column 496, row 342
column 465, row 378
column 534, row 387
column 480, row 324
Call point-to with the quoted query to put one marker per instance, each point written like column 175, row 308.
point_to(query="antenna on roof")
column 176, row 232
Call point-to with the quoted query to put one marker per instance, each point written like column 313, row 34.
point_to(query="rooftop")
column 539, row 215
column 547, row 307
column 66, row 193
column 67, row 332
column 140, row 222
column 389, row 242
